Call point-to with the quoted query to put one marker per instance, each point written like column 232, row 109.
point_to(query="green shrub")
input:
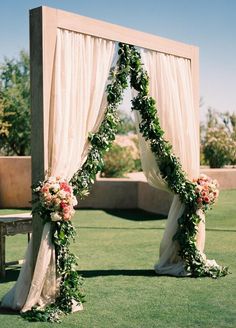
column 136, row 155
column 218, row 138
column 118, row 161
column 202, row 156
column 137, row 165
column 126, row 124
column 218, row 148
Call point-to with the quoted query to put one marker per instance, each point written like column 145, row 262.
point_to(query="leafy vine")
column 54, row 203
column 130, row 66
column 70, row 288
column 172, row 172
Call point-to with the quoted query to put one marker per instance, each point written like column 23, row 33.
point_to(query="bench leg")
column 29, row 236
column 2, row 257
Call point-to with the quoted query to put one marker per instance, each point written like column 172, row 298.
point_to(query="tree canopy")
column 15, row 106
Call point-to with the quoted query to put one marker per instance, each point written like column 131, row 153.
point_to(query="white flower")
column 55, row 216
column 74, row 201
column 55, row 187
column 62, row 194
column 52, row 180
column 201, row 214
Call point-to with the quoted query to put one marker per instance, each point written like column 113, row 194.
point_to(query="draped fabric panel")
column 78, row 101
column 77, row 106
column 171, row 87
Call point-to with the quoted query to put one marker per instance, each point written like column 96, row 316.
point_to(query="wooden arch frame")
column 44, row 22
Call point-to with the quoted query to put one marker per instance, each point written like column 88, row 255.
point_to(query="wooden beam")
column 109, row 31
column 101, row 29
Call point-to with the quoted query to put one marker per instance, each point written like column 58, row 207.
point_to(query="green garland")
column 70, row 288
column 172, row 172
column 130, row 66
column 70, row 281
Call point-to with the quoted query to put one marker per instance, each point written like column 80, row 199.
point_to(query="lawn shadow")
column 135, row 214
column 116, row 272
column 11, row 275
column 220, row 230
column 8, row 311
column 126, row 272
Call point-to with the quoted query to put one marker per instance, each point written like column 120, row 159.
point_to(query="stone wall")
column 128, row 193
column 15, row 181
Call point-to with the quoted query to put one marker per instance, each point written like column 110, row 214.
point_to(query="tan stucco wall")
column 15, row 181
column 133, row 192
column 226, row 177
column 112, row 193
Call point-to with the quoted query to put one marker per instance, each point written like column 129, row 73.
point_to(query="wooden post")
column 37, row 136
column 42, row 49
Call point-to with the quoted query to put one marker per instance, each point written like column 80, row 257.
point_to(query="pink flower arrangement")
column 56, row 197
column 207, row 191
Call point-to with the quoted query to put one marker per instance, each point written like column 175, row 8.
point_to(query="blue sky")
column 209, row 24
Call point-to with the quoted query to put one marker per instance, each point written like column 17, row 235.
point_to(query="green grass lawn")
column 117, row 251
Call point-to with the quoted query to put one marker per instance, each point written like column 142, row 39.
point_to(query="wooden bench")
column 11, row 225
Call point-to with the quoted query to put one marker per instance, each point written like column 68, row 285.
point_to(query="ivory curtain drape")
column 81, row 69
column 171, row 86
column 78, row 101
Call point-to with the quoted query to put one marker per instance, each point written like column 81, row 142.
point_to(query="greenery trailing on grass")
column 130, row 66
column 70, row 293
column 70, row 288
column 70, row 281
column 172, row 172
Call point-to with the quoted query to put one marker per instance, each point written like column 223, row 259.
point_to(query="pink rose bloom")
column 63, row 205
column 206, row 199
column 48, row 198
column 64, row 186
column 45, row 189
column 66, row 209
column 66, row 216
column 56, row 201
column 198, row 189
